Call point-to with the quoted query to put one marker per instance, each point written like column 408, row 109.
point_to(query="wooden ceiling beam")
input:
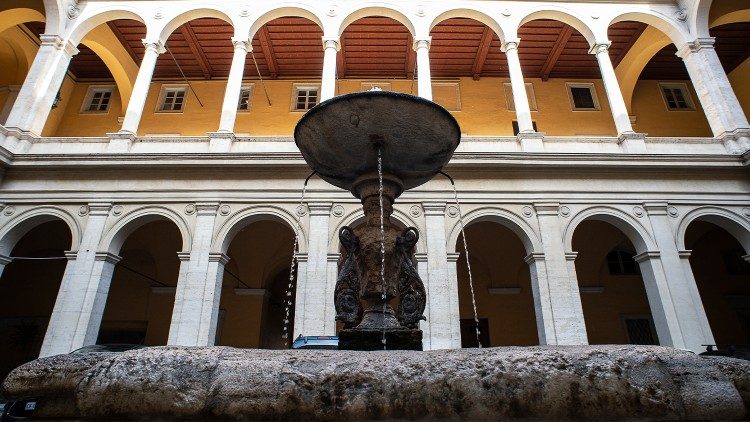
column 265, row 45
column 341, row 59
column 484, row 48
column 633, row 38
column 200, row 56
column 411, row 58
column 557, row 49
column 731, row 65
column 115, row 30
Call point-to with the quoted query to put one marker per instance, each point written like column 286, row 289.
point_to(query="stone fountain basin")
column 561, row 382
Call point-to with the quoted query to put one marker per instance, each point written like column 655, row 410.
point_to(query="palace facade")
column 151, row 190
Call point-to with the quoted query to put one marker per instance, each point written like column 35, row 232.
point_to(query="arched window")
column 620, row 262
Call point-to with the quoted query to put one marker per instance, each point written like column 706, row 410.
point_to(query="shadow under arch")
column 172, row 24
column 114, row 238
column 516, row 224
column 376, row 9
column 470, row 14
column 733, row 223
column 243, row 218
column 16, row 228
column 635, row 232
column 560, row 14
column 281, row 10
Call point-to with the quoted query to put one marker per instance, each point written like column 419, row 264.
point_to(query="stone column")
column 424, row 80
column 705, row 326
column 34, row 101
column 141, row 87
column 196, row 306
column 74, row 321
column 441, row 282
column 317, row 289
column 328, row 81
column 329, row 320
column 540, row 291
column 723, row 111
column 424, row 325
column 520, row 98
column 565, row 298
column 300, row 297
column 454, row 310
column 675, row 295
column 234, row 85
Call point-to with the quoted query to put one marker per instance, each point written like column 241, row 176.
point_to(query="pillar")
column 520, row 98
column 723, row 111
column 425, row 324
column 300, row 297
column 196, row 307
column 318, row 295
column 612, row 87
column 141, row 87
column 34, row 101
column 424, row 80
column 442, row 283
column 75, row 318
column 564, row 296
column 329, row 322
column 540, row 291
column 678, row 298
column 328, row 81
column 234, row 85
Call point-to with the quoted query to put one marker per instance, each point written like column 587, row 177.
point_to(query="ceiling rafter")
column 411, row 58
column 115, row 30
column 265, row 44
column 341, row 59
column 200, row 56
column 484, row 48
column 557, row 49
column 626, row 48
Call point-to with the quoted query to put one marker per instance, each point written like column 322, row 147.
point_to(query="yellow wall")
column 740, row 80
column 653, row 118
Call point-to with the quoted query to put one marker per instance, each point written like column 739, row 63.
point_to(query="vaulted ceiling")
column 378, row 47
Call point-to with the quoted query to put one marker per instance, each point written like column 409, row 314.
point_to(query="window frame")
column 510, row 104
column 457, row 86
column 91, row 92
column 625, row 317
column 246, row 87
column 592, row 89
column 685, row 93
column 163, row 94
column 296, row 88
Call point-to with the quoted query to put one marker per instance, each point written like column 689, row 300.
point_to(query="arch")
column 11, row 17
column 244, row 217
column 114, row 238
column 559, row 14
column 471, row 14
column 401, row 219
column 515, row 223
column 16, row 228
column 635, row 231
column 630, row 68
column 377, row 9
column 22, row 53
column 55, row 10
column 676, row 34
column 284, row 10
column 699, row 18
column 86, row 23
column 187, row 16
column 733, row 223
column 736, row 16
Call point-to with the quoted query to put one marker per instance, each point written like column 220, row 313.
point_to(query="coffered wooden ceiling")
column 378, row 47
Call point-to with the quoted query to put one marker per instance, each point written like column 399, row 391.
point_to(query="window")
column 621, row 262
column 447, row 94
column 246, row 98
column 510, row 103
column 640, row 330
column 582, row 96
column 305, row 97
column 97, row 99
column 677, row 97
column 172, row 98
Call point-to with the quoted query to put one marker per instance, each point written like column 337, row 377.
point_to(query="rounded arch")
column 471, row 14
column 501, row 216
column 634, row 230
column 736, row 16
column 114, row 238
column 11, row 17
column 86, row 23
column 249, row 215
column 377, row 10
column 284, row 10
column 699, row 18
column 560, row 14
column 671, row 29
column 733, row 223
column 55, row 10
column 18, row 53
column 16, row 228
column 354, row 218
column 184, row 17
column 122, row 67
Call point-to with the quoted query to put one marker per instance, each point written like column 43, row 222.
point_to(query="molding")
column 452, row 257
column 107, row 257
column 571, row 256
column 547, row 208
column 183, row 256
column 421, row 257
column 5, row 260
column 434, row 208
column 333, row 257
column 219, row 257
column 99, row 208
column 533, row 257
column 684, row 254
column 70, row 255
column 648, row 255
column 656, row 208
column 319, row 208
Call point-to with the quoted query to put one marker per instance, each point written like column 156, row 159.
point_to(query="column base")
column 220, row 141
column 120, row 142
column 736, row 141
column 370, row 340
column 531, row 141
column 632, row 142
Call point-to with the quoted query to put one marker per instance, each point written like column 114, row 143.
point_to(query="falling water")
column 382, row 241
column 288, row 298
column 468, row 265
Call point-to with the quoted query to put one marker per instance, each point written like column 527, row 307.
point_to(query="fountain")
column 376, row 145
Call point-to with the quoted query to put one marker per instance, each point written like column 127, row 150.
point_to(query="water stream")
column 382, row 242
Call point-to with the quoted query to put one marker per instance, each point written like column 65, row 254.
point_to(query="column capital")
column 206, row 208
column 453, row 257
column 600, row 47
column 5, row 260
column 423, row 43
column 301, row 256
column 51, row 41
column 510, row 44
column 421, row 257
column 547, row 208
column 434, row 208
column 333, row 257
column 71, row 255
column 183, row 256
column 684, row 254
column 219, row 257
column 571, row 256
column 320, row 208
column 696, row 45
column 99, row 208
column 533, row 257
column 107, row 257
column 331, row 43
column 156, row 46
column 645, row 256
column 241, row 44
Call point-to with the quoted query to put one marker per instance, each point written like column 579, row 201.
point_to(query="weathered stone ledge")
column 564, row 382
